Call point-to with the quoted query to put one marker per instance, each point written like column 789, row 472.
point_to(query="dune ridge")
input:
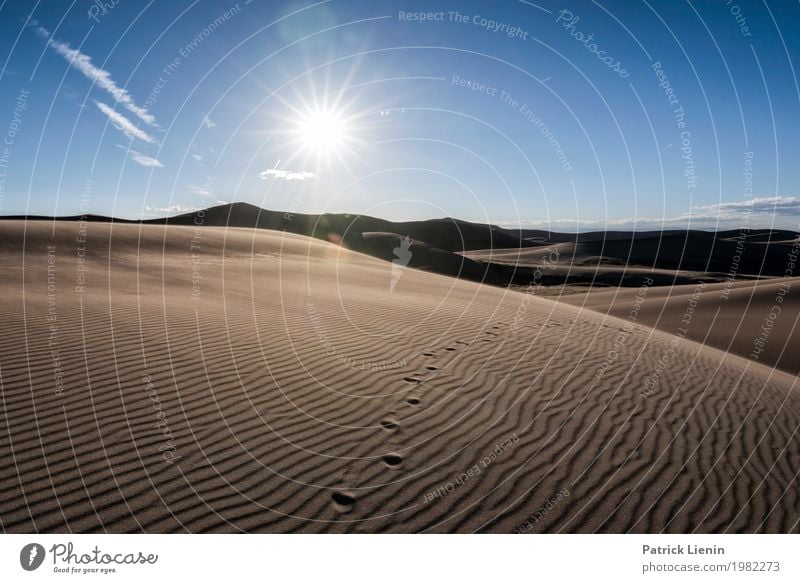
column 500, row 256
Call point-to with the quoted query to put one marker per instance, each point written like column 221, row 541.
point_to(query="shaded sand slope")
column 300, row 395
column 513, row 257
column 732, row 318
column 447, row 234
column 705, row 253
column 427, row 258
column 436, row 241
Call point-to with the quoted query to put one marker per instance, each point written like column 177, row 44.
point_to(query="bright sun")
column 323, row 132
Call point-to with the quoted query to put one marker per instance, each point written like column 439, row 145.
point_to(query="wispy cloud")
column 208, row 123
column 759, row 212
column 206, row 192
column 139, row 158
column 778, row 205
column 174, row 208
column 124, row 125
column 143, row 160
column 287, row 174
column 760, row 209
column 100, row 77
column 203, row 191
column 197, row 157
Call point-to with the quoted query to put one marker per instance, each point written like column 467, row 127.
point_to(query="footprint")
column 412, row 380
column 428, row 354
column 390, row 425
column 432, row 367
column 450, row 349
column 344, row 501
column 413, row 401
column 393, row 460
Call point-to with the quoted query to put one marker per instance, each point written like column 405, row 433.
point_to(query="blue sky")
column 564, row 115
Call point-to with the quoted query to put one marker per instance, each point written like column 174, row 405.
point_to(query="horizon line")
column 502, row 224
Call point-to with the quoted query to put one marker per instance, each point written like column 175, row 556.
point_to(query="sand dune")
column 214, row 379
column 437, row 242
column 487, row 253
column 428, row 258
column 731, row 317
column 447, row 234
column 684, row 256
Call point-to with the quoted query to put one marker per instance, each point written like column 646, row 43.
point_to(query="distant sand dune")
column 297, row 393
column 731, row 317
column 671, row 257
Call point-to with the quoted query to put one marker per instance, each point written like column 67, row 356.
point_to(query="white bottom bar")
column 389, row 558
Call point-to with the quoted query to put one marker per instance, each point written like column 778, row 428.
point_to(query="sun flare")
column 323, row 132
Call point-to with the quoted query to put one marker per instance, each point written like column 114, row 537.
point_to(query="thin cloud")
column 123, row 124
column 208, row 123
column 206, row 192
column 197, row 157
column 757, row 209
column 100, row 77
column 779, row 205
column 203, row 191
column 776, row 211
column 143, row 160
column 175, row 208
column 287, row 174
